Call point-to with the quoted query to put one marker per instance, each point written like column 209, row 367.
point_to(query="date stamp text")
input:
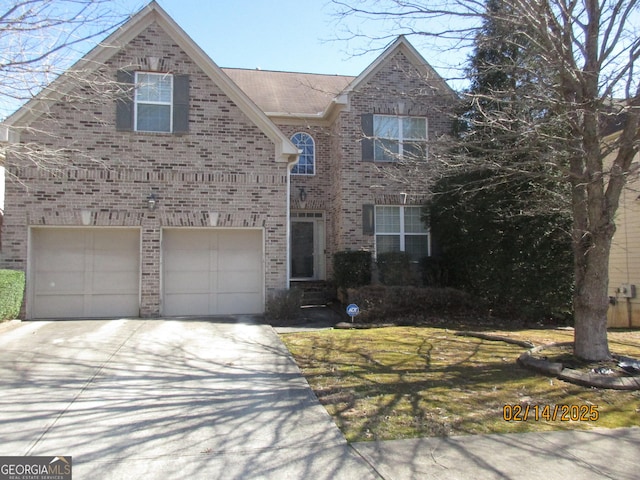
column 550, row 413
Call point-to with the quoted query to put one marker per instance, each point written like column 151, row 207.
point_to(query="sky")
column 286, row 35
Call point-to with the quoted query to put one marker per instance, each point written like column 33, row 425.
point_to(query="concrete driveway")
column 165, row 399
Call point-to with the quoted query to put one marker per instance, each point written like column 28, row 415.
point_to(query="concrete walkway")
column 208, row 399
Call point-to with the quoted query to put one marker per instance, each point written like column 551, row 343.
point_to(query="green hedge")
column 394, row 268
column 380, row 303
column 351, row 269
column 11, row 293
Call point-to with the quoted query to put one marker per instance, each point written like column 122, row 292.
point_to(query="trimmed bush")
column 394, row 268
column 284, row 304
column 11, row 293
column 434, row 272
column 351, row 269
column 380, row 303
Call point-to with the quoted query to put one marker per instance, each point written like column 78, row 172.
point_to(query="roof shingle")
column 289, row 93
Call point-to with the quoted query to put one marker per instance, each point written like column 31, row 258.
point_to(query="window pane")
column 388, row 220
column 154, row 88
column 387, row 243
column 414, row 128
column 417, row 246
column 386, row 126
column 306, row 163
column 412, row 220
column 153, row 118
column 414, row 151
column 385, row 150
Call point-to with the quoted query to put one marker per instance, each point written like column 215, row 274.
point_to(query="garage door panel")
column 188, row 282
column 190, row 240
column 239, row 240
column 184, row 304
column 188, row 260
column 66, row 259
column 239, row 260
column 212, row 272
column 53, row 283
column 118, row 261
column 84, row 272
column 113, row 305
column 59, row 306
column 228, row 303
column 114, row 283
column 241, row 282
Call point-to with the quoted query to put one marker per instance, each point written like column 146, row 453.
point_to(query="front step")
column 314, row 292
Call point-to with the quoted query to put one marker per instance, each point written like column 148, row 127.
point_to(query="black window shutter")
column 180, row 103
column 368, row 220
column 124, row 105
column 367, row 141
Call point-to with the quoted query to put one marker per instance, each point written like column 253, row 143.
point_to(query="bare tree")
column 39, row 42
column 589, row 51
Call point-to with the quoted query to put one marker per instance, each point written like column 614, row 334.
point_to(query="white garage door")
column 85, row 272
column 212, row 272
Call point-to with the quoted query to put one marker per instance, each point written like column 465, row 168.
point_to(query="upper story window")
column 399, row 138
column 307, row 163
column 389, row 138
column 401, row 229
column 153, row 102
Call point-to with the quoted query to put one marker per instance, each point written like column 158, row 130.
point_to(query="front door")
column 307, row 246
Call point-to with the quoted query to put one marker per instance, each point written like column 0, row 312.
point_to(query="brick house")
column 202, row 190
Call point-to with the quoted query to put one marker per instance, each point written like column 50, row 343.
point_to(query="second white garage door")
column 212, row 272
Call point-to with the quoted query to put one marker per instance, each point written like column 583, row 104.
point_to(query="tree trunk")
column 591, row 300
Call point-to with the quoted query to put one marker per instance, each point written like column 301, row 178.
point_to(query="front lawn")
column 401, row 382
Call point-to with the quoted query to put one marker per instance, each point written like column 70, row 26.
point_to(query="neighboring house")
column 205, row 189
column 624, row 260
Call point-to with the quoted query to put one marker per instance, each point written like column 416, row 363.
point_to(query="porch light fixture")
column 152, row 201
column 302, row 195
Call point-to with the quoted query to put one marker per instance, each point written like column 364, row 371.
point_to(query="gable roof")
column 401, row 44
column 289, row 93
column 317, row 96
column 285, row 150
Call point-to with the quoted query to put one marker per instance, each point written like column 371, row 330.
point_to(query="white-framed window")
column 399, row 138
column 153, row 98
column 307, row 163
column 401, row 229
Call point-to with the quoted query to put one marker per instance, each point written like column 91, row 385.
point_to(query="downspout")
column 290, row 165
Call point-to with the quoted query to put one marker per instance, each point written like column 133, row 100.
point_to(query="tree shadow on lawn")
column 437, row 386
column 422, row 390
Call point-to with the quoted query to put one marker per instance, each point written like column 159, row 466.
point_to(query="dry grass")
column 402, row 382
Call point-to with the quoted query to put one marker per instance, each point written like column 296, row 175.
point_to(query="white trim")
column 402, row 234
column 137, row 102
column 313, row 141
column 401, row 139
column 318, row 219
